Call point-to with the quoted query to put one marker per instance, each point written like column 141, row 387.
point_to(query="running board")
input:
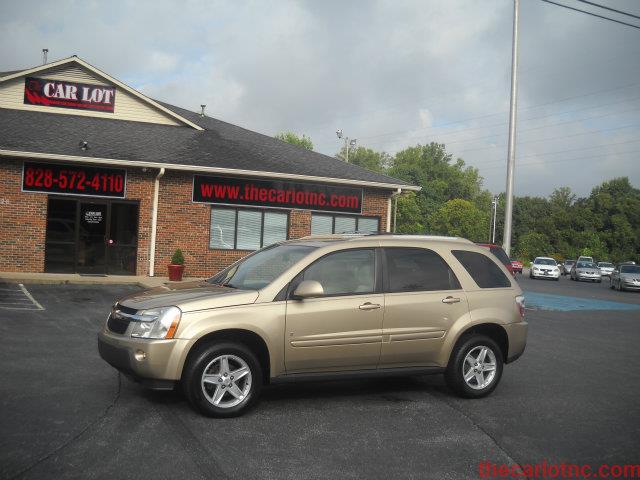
column 357, row 374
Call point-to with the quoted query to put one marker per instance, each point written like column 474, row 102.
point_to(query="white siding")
column 127, row 107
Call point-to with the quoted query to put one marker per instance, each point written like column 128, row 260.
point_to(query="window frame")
column 488, row 257
column 352, row 215
column 387, row 279
column 262, row 212
column 377, row 269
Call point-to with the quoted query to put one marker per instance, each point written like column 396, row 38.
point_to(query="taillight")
column 520, row 305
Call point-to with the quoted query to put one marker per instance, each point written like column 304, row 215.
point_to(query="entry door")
column 92, row 238
column 343, row 329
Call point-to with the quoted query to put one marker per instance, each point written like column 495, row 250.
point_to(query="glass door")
column 92, row 238
column 122, row 240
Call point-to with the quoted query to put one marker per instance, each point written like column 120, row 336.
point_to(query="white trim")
column 154, row 223
column 201, row 169
column 107, row 77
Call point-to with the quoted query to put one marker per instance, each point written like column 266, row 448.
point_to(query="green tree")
column 460, row 218
column 533, row 244
column 295, row 139
column 367, row 158
column 408, row 217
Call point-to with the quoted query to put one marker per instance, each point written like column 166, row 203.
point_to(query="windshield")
column 260, row 269
column 586, row 265
column 544, row 261
column 605, row 264
column 629, row 268
column 569, row 262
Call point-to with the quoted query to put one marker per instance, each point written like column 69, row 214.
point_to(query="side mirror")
column 308, row 289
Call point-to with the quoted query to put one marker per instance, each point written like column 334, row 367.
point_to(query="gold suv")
column 339, row 306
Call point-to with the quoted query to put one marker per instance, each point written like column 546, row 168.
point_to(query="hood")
column 189, row 296
column 630, row 276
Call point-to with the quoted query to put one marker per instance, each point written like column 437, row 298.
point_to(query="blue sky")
column 389, row 73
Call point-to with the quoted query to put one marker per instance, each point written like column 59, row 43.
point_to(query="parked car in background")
column 500, row 255
column 517, row 266
column 606, row 268
column 626, row 276
column 582, row 258
column 567, row 266
column 587, row 271
column 544, row 267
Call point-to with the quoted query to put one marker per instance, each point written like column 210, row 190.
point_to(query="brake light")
column 520, row 305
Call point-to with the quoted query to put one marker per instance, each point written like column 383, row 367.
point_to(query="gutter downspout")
column 394, row 197
column 154, row 223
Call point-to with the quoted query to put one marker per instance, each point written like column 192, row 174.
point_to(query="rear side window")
column 501, row 254
column 482, row 269
column 418, row 270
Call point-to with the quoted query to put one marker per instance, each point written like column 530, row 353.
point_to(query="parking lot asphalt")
column 572, row 397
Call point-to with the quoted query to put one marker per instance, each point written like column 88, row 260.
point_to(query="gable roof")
column 211, row 145
column 65, row 61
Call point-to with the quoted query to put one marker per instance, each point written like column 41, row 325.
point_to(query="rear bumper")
column 150, row 362
column 517, row 334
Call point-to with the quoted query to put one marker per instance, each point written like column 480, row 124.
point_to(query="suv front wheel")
column 223, row 380
column 475, row 367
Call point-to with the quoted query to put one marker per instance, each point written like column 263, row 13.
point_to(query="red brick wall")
column 23, row 222
column 181, row 223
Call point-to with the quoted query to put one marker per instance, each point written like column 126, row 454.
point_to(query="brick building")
column 96, row 178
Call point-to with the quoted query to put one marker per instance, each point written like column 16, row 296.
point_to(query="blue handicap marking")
column 563, row 303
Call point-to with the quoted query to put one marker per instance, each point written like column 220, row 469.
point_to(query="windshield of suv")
column 629, row 268
column 544, row 261
column 605, row 264
column 586, row 265
column 260, row 269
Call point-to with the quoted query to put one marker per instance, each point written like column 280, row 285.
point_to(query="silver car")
column 587, row 271
column 626, row 277
column 606, row 268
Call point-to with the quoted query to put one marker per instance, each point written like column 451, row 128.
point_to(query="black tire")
column 454, row 373
column 557, row 279
column 194, row 370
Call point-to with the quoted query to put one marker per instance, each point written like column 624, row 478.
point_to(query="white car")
column 606, row 268
column 544, row 267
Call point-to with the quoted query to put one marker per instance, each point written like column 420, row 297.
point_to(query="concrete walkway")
column 74, row 278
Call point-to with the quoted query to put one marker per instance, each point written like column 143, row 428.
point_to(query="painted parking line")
column 564, row 303
column 17, row 297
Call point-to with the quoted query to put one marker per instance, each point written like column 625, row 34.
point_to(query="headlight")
column 157, row 323
column 535, row 269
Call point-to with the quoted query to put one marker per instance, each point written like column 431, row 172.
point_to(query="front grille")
column 117, row 324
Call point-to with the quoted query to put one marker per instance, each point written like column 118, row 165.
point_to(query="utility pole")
column 348, row 143
column 495, row 218
column 508, row 211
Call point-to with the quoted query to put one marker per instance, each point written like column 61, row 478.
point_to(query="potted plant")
column 176, row 267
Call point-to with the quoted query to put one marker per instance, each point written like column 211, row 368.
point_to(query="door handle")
column 450, row 300
column 369, row 306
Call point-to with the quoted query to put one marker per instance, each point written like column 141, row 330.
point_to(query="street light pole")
column 508, row 211
column 348, row 143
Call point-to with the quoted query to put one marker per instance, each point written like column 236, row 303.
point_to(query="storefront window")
column 322, row 224
column 245, row 229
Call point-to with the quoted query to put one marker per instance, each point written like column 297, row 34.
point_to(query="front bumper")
column 154, row 363
column 630, row 285
column 541, row 274
column 517, row 334
column 592, row 278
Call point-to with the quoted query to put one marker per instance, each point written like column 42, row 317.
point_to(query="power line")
column 609, row 8
column 567, row 159
column 592, row 14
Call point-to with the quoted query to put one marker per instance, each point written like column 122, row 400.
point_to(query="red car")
column 501, row 254
column 517, row 266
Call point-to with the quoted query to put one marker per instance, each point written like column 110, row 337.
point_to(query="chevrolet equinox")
column 324, row 307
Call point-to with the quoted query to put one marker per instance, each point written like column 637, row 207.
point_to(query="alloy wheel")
column 226, row 381
column 479, row 367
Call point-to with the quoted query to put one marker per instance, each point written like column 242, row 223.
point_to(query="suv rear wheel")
column 475, row 367
column 223, row 380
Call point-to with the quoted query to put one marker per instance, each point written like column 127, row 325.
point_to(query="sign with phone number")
column 74, row 180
